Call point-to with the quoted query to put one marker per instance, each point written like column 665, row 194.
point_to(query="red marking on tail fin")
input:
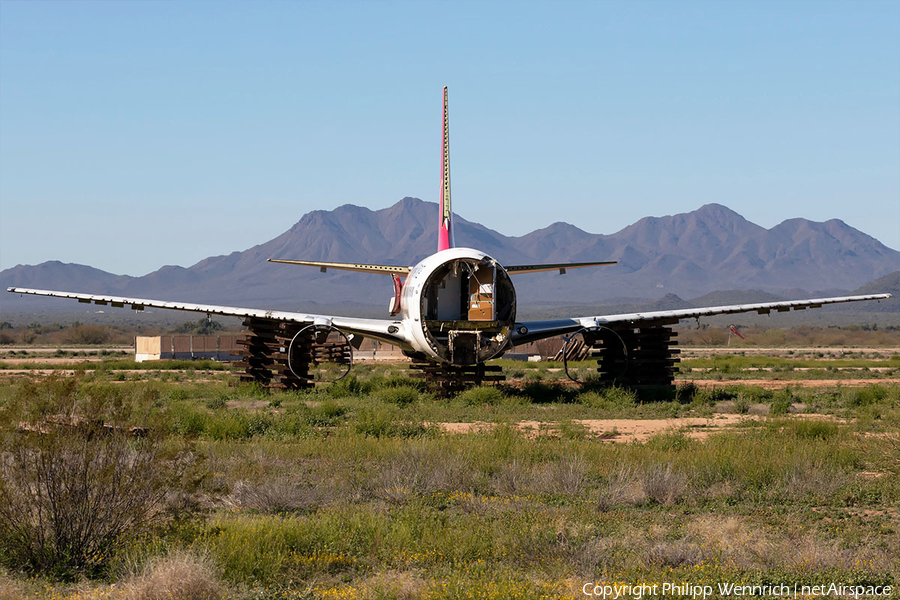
column 398, row 288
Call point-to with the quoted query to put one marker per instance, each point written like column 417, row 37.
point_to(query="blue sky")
column 138, row 134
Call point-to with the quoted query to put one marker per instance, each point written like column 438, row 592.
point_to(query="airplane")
column 451, row 313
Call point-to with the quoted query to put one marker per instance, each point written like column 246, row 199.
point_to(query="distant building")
column 187, row 347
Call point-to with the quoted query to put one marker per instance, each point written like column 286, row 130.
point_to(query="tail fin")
column 445, row 230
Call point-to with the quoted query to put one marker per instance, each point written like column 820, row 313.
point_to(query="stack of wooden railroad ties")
column 270, row 359
column 639, row 358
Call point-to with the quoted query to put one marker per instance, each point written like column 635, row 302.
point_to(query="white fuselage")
column 439, row 317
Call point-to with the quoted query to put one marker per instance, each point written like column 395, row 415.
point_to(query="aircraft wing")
column 386, row 330
column 531, row 331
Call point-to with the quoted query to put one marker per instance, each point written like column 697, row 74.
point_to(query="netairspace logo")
column 701, row 592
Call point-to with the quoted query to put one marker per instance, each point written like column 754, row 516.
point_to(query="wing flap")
column 363, row 268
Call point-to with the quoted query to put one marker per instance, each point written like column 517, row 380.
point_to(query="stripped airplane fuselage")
column 459, row 307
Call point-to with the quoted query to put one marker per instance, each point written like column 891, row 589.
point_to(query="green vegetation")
column 372, row 488
column 202, row 326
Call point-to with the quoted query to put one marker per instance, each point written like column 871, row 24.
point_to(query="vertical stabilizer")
column 445, row 231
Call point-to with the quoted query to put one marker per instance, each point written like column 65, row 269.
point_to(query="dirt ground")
column 777, row 384
column 620, row 430
column 52, row 360
column 631, row 430
column 829, row 352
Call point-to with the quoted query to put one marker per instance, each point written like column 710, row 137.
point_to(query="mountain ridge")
column 687, row 255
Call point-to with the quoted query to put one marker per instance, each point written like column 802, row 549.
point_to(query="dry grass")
column 737, row 542
column 512, row 478
column 735, row 539
column 280, row 495
column 10, row 589
column 664, row 485
column 636, row 486
column 806, row 481
column 396, row 585
column 565, row 476
column 416, row 470
column 890, row 459
column 674, row 554
column 623, row 487
column 178, row 576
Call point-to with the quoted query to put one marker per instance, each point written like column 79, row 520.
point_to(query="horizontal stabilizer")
column 323, row 266
column 555, row 266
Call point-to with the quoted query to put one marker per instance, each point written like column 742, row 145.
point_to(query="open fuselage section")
column 459, row 307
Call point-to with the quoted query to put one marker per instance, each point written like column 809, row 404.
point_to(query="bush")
column 87, row 334
column 570, row 430
column 395, row 380
column 203, row 326
column 77, row 481
column 864, row 396
column 781, row 403
column 327, row 414
column 417, row 470
column 382, row 422
column 664, row 485
column 812, row 429
column 478, row 396
column 549, row 392
column 230, row 425
column 592, row 399
column 348, row 386
column 401, row 396
column 217, row 403
column 188, row 421
column 688, row 392
column 620, row 396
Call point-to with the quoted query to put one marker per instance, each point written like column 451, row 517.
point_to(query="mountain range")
column 685, row 255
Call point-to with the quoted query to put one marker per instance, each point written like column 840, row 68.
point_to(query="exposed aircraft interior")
column 468, row 307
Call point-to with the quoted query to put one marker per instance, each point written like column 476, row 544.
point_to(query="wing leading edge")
column 389, row 331
column 363, row 268
column 530, row 331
